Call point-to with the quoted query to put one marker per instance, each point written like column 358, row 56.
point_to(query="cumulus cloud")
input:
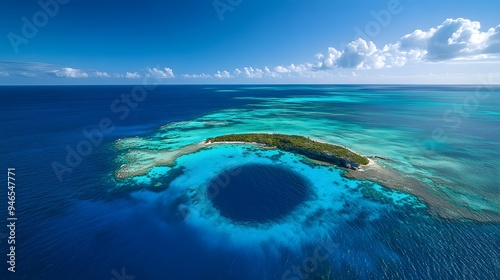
column 166, row 73
column 68, row 72
column 300, row 69
column 493, row 41
column 269, row 73
column 453, row 39
column 223, row 74
column 99, row 74
column 128, row 75
column 281, row 69
column 361, row 54
column 133, row 75
column 248, row 72
column 306, row 70
column 196, row 76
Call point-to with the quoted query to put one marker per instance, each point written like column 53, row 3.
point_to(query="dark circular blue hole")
column 257, row 193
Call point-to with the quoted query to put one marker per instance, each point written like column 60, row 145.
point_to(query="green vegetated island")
column 299, row 145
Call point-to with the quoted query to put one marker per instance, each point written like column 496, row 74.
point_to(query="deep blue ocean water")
column 86, row 228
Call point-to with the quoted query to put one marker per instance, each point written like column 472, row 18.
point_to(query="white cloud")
column 223, row 74
column 301, row 70
column 18, row 69
column 68, row 72
column 269, row 73
column 134, row 75
column 167, row 73
column 248, row 72
column 360, row 54
column 307, row 70
column 128, row 75
column 24, row 69
column 281, row 69
column 416, row 40
column 453, row 39
column 99, row 74
column 493, row 40
column 27, row 74
column 196, row 76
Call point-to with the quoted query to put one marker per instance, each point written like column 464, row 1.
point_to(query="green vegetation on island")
column 300, row 145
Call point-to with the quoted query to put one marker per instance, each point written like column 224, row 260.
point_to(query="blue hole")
column 257, row 193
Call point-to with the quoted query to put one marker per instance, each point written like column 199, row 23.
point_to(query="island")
column 301, row 145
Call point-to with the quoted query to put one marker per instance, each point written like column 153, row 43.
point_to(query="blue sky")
column 249, row 41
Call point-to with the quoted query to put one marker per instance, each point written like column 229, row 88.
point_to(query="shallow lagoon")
column 331, row 205
column 398, row 128
column 369, row 230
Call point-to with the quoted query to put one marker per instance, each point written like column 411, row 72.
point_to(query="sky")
column 249, row 42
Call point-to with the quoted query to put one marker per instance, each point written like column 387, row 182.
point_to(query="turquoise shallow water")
column 441, row 137
column 333, row 204
column 442, row 153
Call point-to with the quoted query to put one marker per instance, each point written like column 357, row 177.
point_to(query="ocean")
column 243, row 211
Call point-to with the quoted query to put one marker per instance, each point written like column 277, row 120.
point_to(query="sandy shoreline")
column 145, row 160
column 378, row 172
